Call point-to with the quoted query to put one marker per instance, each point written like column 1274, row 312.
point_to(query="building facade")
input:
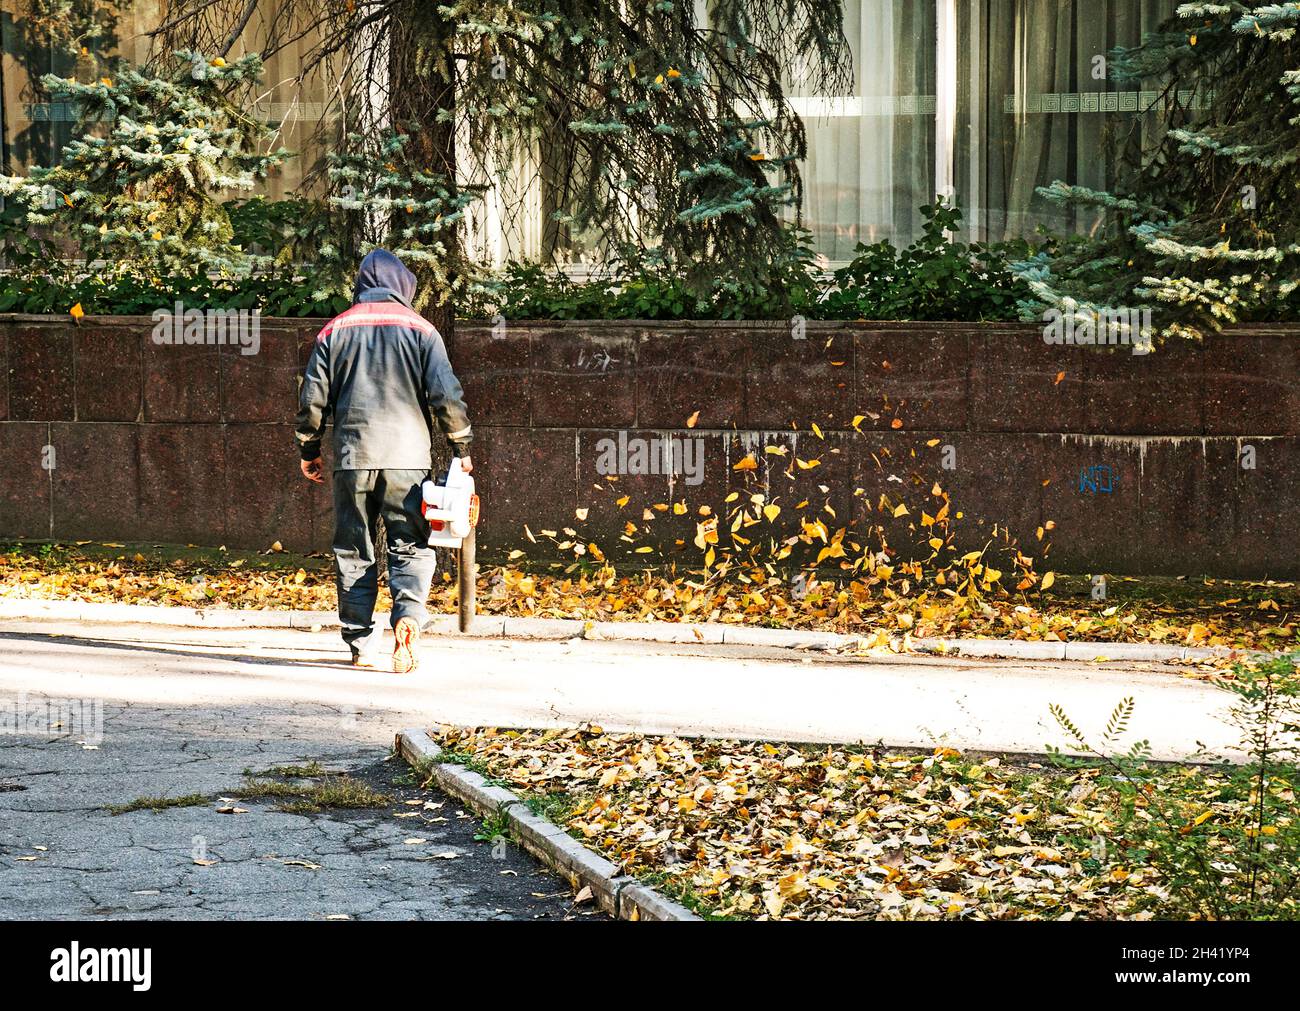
column 982, row 101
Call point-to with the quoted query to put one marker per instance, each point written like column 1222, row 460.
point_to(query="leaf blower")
column 451, row 508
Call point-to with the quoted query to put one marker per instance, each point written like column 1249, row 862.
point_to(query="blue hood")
column 383, row 271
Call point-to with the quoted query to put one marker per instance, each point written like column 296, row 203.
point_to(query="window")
column 1034, row 105
column 871, row 156
column 984, row 100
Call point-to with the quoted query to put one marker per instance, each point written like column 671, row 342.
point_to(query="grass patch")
column 554, row 807
column 338, row 791
column 466, row 759
column 312, row 770
column 679, row 891
column 159, row 803
column 495, row 826
column 267, row 789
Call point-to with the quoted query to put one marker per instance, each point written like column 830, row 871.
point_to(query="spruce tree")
column 141, row 186
column 649, row 124
column 1202, row 228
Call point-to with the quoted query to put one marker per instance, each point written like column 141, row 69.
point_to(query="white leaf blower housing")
column 451, row 507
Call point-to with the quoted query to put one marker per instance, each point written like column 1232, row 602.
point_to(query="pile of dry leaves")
column 880, row 605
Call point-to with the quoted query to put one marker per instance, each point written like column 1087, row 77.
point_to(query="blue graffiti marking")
column 1099, row 479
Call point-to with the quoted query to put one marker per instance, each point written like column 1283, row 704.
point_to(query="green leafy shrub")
column 1224, row 839
column 278, row 235
column 283, row 293
column 531, row 291
column 303, row 252
column 935, row 278
column 649, row 284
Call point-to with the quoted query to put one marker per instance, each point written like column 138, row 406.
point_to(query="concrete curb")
column 617, row 894
column 184, row 617
column 498, row 626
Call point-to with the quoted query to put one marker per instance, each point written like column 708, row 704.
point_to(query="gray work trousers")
column 360, row 498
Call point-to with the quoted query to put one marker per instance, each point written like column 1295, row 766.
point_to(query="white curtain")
column 871, row 156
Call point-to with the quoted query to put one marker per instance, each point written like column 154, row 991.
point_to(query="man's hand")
column 466, row 464
column 313, row 470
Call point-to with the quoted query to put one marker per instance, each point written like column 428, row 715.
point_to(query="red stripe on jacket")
column 376, row 314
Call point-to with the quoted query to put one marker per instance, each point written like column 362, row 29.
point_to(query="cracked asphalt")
column 63, row 855
column 187, row 710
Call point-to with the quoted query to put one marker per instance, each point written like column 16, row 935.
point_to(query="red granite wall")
column 193, row 444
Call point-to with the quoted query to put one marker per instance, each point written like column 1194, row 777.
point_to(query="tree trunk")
column 422, row 97
column 422, row 104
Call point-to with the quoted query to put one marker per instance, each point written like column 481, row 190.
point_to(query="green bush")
column 127, row 293
column 646, row 284
column 932, row 279
column 1224, row 839
column 301, row 273
column 277, row 234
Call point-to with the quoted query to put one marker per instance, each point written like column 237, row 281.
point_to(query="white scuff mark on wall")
column 1141, row 443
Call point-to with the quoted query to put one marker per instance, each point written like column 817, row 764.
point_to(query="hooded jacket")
column 381, row 371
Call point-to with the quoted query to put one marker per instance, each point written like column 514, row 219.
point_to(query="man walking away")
column 380, row 370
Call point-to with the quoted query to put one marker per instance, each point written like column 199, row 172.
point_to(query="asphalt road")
column 116, row 713
column 64, row 855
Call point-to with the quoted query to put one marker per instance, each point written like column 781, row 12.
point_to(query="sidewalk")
column 692, row 689
column 498, row 626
